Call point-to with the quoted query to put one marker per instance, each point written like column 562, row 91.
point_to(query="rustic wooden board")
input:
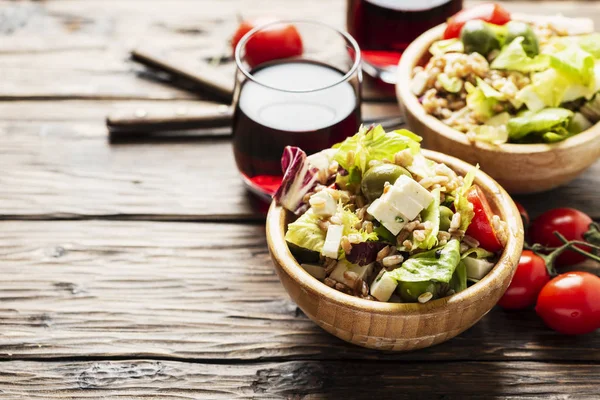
column 67, row 169
column 296, row 380
column 195, row 292
column 74, row 49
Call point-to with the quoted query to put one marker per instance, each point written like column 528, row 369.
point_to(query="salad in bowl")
column 502, row 78
column 376, row 219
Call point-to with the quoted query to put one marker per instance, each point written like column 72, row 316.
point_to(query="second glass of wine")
column 311, row 101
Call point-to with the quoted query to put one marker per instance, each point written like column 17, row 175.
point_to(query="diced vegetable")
column 488, row 12
column 481, row 227
column 432, row 215
column 461, row 203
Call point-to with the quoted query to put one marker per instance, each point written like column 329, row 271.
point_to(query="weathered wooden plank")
column 56, row 168
column 294, row 380
column 56, row 162
column 196, row 292
column 66, row 49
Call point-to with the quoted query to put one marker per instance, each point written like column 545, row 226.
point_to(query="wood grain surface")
column 196, row 291
column 57, row 163
column 155, row 379
column 104, row 295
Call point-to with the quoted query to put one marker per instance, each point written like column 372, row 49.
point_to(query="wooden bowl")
column 392, row 326
column 519, row 168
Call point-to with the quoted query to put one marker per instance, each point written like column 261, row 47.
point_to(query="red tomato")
column 524, row 214
column 571, row 223
column 570, row 303
column 530, row 277
column 488, row 12
column 280, row 41
column 481, row 227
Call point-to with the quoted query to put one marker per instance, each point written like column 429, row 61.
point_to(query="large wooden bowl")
column 391, row 326
column 519, row 168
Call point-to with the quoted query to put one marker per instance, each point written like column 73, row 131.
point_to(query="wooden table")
column 141, row 271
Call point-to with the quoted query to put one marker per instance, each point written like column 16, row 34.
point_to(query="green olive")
column 445, row 218
column 410, row 291
column 478, row 37
column 530, row 41
column 375, row 178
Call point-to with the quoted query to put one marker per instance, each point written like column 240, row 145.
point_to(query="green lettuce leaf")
column 514, row 58
column 481, row 105
column 373, row 143
column 305, row 232
column 590, row 43
column 574, row 63
column 477, row 252
column 350, row 220
column 548, row 120
column 494, row 130
column 422, row 167
column 547, row 89
column 461, row 204
column 431, row 214
column 446, row 46
column 436, row 265
column 459, row 279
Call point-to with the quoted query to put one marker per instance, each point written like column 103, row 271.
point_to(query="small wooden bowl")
column 392, row 326
column 519, row 168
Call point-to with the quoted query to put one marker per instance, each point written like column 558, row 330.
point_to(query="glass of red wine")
column 311, row 100
column 385, row 28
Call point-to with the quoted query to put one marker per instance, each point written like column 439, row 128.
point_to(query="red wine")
column 267, row 119
column 385, row 28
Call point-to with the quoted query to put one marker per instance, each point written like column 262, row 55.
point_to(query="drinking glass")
column 385, row 28
column 311, row 101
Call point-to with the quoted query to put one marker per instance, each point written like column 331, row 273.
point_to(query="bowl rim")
column 506, row 264
column 413, row 54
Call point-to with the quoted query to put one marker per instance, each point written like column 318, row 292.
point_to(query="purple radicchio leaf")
column 299, row 178
column 364, row 253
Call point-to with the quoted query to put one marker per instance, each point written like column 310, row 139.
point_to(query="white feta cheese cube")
column 361, row 271
column 383, row 286
column 477, row 268
column 323, row 204
column 411, row 188
column 389, row 216
column 403, row 203
column 316, row 271
column 332, row 241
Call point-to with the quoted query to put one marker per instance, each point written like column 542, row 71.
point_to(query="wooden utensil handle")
column 142, row 121
column 208, row 78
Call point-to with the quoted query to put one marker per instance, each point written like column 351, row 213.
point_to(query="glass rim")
column 347, row 37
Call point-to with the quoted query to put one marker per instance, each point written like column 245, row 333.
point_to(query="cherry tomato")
column 488, row 12
column 571, row 223
column 570, row 303
column 530, row 277
column 524, row 214
column 279, row 41
column 481, row 227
